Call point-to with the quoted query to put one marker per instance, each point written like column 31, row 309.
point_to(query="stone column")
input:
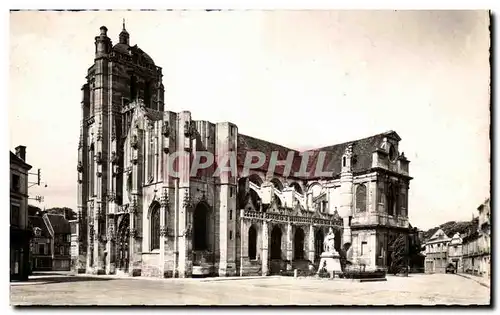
column 244, row 242
column 163, row 231
column 289, row 245
column 265, row 246
column 110, row 246
column 132, row 235
column 90, row 238
column 311, row 243
column 347, row 235
column 98, row 263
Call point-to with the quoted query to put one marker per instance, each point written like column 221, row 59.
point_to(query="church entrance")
column 298, row 244
column 122, row 245
column 252, row 243
column 200, row 222
column 276, row 243
column 318, row 244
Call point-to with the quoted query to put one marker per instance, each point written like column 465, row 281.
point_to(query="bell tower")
column 120, row 74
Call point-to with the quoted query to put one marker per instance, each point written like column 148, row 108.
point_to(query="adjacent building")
column 60, row 231
column 455, row 252
column 137, row 216
column 477, row 244
column 41, row 243
column 20, row 234
column 51, row 244
column 436, row 252
column 467, row 253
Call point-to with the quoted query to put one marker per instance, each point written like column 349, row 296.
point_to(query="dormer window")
column 392, row 153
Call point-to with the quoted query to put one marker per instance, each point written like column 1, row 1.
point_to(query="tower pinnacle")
column 124, row 36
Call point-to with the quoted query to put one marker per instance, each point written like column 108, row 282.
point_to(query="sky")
column 303, row 79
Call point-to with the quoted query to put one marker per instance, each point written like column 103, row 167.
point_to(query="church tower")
column 121, row 75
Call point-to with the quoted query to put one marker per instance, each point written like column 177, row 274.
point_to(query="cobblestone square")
column 85, row 290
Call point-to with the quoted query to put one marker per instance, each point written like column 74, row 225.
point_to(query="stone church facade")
column 137, row 216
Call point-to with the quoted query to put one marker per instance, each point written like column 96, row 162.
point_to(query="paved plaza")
column 56, row 289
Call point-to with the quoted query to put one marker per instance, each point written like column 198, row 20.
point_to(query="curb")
column 214, row 279
column 471, row 278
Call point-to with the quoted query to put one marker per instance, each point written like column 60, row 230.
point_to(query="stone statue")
column 329, row 242
column 330, row 258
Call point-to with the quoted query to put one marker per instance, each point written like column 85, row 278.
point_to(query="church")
column 138, row 217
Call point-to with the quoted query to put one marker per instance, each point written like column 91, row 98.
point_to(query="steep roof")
column 248, row 143
column 362, row 151
column 15, row 159
column 36, row 221
column 439, row 236
column 59, row 223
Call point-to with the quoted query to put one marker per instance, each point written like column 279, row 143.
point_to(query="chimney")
column 21, row 152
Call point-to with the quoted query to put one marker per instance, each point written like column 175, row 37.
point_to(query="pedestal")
column 330, row 262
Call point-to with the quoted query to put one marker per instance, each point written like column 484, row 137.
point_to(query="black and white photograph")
column 218, row 157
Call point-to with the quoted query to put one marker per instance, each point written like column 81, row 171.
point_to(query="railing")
column 277, row 217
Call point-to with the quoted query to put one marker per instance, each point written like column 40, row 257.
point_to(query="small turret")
column 124, row 37
column 347, row 159
column 102, row 43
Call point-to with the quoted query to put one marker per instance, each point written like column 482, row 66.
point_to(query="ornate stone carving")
column 163, row 231
column 114, row 158
column 80, row 141
column 111, row 234
column 111, row 196
column 98, row 158
column 190, row 129
column 132, row 209
column 164, row 198
column 91, row 231
column 79, row 167
column 79, row 181
column 134, row 233
column 90, row 121
column 99, row 174
column 134, row 142
column 117, row 171
column 99, row 132
column 187, row 202
column 188, row 232
column 165, row 129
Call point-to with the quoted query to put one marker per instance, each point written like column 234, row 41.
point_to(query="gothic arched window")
column 91, row 170
column 155, row 227
column 151, row 151
column 361, row 198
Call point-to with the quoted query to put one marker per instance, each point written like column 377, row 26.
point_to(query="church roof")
column 126, row 49
column 248, row 143
column 362, row 151
column 17, row 160
column 59, row 223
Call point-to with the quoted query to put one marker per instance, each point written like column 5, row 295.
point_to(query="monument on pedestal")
column 330, row 258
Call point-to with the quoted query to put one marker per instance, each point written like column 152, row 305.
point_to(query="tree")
column 68, row 213
column 399, row 255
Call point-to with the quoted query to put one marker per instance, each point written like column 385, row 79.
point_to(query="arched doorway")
column 276, row 243
column 154, row 226
column 318, row 243
column 252, row 243
column 122, row 247
column 200, row 227
column 298, row 244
